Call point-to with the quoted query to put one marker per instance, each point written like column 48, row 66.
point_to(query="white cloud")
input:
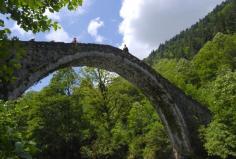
column 53, row 16
column 148, row 23
column 58, row 35
column 16, row 30
column 71, row 16
column 93, row 27
column 65, row 14
column 82, row 9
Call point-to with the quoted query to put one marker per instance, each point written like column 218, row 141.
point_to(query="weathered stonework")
column 180, row 114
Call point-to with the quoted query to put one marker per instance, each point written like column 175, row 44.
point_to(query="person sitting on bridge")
column 74, row 40
column 33, row 39
column 125, row 49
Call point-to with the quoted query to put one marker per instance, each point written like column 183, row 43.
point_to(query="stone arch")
column 180, row 114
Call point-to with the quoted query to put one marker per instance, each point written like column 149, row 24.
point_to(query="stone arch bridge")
column 180, row 114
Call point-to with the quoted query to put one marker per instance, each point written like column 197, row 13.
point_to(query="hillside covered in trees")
column 210, row 78
column 187, row 43
column 201, row 61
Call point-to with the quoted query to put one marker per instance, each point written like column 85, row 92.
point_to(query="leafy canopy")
column 29, row 14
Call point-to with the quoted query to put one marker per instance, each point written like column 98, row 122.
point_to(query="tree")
column 58, row 127
column 12, row 138
column 210, row 78
column 63, row 81
column 220, row 134
column 9, row 61
column 87, row 122
column 98, row 110
column 29, row 15
column 147, row 137
column 56, row 121
column 215, row 57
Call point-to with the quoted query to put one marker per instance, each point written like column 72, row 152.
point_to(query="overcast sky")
column 141, row 24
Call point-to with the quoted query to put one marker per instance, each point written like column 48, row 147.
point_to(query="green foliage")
column 10, row 55
column 210, row 78
column 29, row 15
column 63, row 82
column 13, row 143
column 215, row 57
column 179, row 72
column 57, row 126
column 220, row 140
column 90, row 114
column 220, row 136
column 143, row 127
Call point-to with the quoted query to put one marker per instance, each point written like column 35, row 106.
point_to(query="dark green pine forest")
column 188, row 43
column 92, row 113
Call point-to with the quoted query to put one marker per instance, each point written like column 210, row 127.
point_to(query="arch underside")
column 180, row 114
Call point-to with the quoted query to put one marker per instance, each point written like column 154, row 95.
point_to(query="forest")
column 202, row 61
column 188, row 42
column 210, row 78
column 92, row 113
